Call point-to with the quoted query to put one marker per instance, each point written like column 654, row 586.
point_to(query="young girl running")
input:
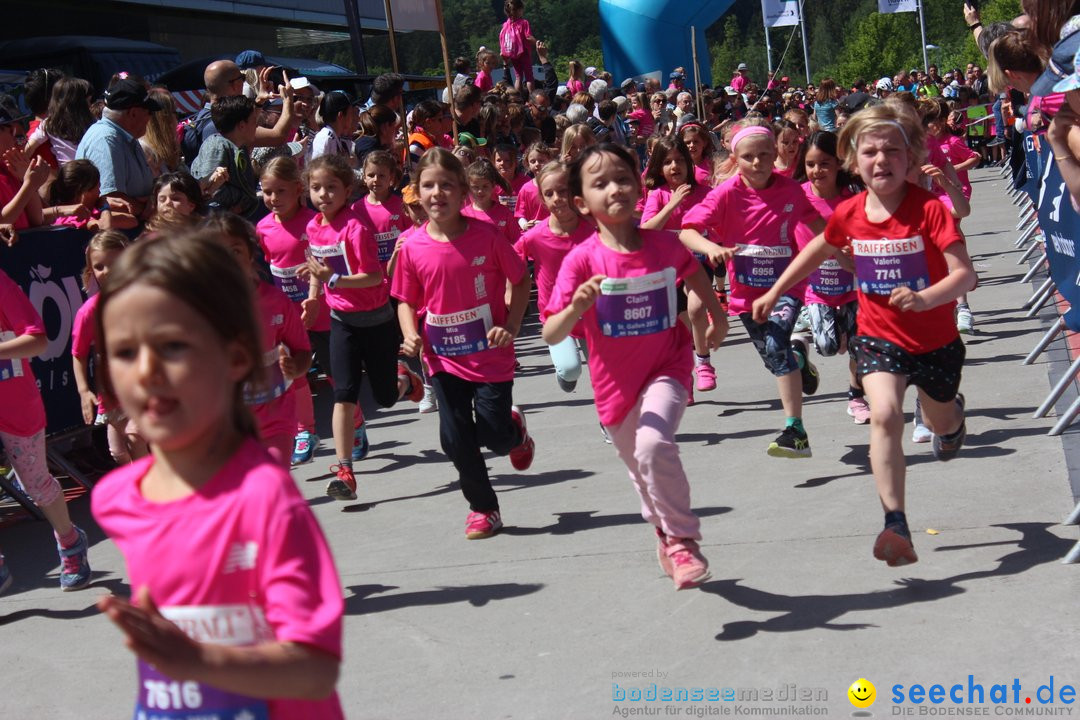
column 124, row 440
column 484, row 181
column 619, row 285
column 673, row 190
column 830, row 292
column 751, row 219
column 363, row 332
column 286, row 350
column 381, row 208
column 546, row 244
column 237, row 605
column 911, row 264
column 529, row 209
column 505, row 158
column 283, row 239
column 22, row 432
column 450, row 278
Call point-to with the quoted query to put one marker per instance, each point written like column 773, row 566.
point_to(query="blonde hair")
column 572, row 134
column 876, row 118
column 725, row 168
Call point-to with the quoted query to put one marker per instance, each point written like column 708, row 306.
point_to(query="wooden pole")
column 390, row 34
column 697, row 76
column 446, row 65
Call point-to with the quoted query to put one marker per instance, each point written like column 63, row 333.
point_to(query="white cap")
column 299, row 83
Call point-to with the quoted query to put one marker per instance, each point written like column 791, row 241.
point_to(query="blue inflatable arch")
column 642, row 36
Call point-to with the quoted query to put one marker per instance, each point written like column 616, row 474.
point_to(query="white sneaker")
column 964, row 321
column 921, row 433
column 428, row 403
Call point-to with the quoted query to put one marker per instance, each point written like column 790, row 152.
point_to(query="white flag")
column 895, row 6
column 779, row 13
column 414, row 15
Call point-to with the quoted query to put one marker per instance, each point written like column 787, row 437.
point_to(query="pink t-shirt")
column 509, row 199
column 760, row 225
column 739, row 83
column 547, row 249
column 348, row 246
column 497, row 215
column 955, row 149
column 460, row 287
column 529, row 206
column 388, row 219
column 285, row 246
column 83, row 329
column 703, row 172
column 830, row 284
column 241, row 561
column 274, row 404
column 633, row 330
column 75, row 222
column 484, row 81
column 522, row 27
column 659, row 198
column 21, row 413
column 574, row 86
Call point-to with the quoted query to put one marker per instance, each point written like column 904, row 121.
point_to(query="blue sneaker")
column 360, row 445
column 5, row 578
column 74, row 565
column 304, row 447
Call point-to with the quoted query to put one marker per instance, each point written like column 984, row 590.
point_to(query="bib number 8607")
column 637, row 313
column 164, row 695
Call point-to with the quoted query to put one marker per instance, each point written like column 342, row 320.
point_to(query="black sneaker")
column 893, row 545
column 810, row 377
column 566, row 385
column 790, row 444
column 945, row 450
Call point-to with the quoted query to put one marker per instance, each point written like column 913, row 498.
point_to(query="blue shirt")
column 118, row 157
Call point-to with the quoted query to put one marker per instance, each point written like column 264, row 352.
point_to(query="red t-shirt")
column 907, row 249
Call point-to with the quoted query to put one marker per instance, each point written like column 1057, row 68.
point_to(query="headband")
column 747, row 132
column 893, row 123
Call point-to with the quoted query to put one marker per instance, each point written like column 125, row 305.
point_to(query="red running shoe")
column 521, row 457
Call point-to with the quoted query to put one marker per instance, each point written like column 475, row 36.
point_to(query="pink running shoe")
column 661, row 552
column 689, row 568
column 482, row 525
column 706, row 377
column 858, row 410
column 521, row 457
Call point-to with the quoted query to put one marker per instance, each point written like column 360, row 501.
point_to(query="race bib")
column 333, row 256
column 509, row 201
column 10, row 368
column 162, row 698
column 831, row 279
column 275, row 385
column 883, row 265
column 460, row 333
column 385, row 242
column 289, row 282
column 643, row 305
column 760, row 266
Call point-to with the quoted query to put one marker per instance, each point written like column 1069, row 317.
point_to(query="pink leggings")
column 522, row 65
column 27, row 456
column 645, row 441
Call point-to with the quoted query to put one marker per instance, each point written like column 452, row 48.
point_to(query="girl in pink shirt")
column 672, row 191
column 516, row 42
column 575, row 83
column 283, row 239
column 699, row 142
column 620, row 285
column 77, row 192
column 381, row 208
column 236, row 605
column 486, row 62
column 22, row 432
column 546, row 244
column 751, row 219
column 364, row 336
column 830, row 293
column 451, row 279
column 788, row 148
column 505, row 158
column 286, row 350
column 530, row 209
column 124, row 440
column 483, row 181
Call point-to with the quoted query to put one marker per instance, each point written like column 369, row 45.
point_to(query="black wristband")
column 975, row 25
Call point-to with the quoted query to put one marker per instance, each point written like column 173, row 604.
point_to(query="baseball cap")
column 467, row 138
column 129, row 91
column 250, row 59
column 1061, row 64
column 628, row 84
column 563, row 90
column 9, row 110
column 730, row 90
column 590, row 71
column 676, row 76
column 742, row 66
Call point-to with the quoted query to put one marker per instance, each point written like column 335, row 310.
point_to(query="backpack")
column 190, row 134
column 511, row 42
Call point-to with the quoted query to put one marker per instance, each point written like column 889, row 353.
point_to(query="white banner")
column 895, row 6
column 780, row 13
column 414, row 15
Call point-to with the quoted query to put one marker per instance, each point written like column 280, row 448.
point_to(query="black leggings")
column 354, row 350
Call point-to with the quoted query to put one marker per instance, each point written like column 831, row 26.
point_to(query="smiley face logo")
column 862, row 693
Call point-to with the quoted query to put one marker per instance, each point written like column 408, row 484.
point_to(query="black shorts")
column 937, row 372
column 680, row 301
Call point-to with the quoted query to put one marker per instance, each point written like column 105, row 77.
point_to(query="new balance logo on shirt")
column 242, row 556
